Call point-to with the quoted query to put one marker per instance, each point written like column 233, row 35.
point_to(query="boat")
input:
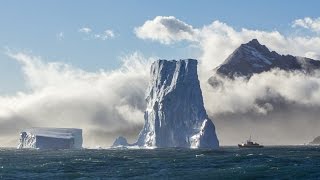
column 250, row 144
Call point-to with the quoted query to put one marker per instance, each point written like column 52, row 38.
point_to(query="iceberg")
column 316, row 141
column 175, row 114
column 51, row 138
column 120, row 141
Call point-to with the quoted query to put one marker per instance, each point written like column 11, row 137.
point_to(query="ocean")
column 279, row 162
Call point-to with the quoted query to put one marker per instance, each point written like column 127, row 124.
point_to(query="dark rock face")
column 253, row 58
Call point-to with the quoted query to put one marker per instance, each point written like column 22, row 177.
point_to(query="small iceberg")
column 50, row 138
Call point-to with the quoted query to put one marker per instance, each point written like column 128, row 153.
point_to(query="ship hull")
column 250, row 146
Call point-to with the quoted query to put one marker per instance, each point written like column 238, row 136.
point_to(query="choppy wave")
column 287, row 162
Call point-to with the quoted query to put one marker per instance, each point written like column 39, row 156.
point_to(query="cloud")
column 104, row 103
column 107, row 34
column 277, row 100
column 253, row 95
column 308, row 23
column 312, row 55
column 60, row 36
column 165, row 29
column 218, row 40
column 276, row 106
column 279, row 107
column 85, row 30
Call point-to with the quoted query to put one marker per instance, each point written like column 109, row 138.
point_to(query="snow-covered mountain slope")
column 175, row 114
column 252, row 57
column 51, row 138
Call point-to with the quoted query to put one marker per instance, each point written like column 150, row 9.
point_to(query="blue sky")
column 100, row 93
column 33, row 26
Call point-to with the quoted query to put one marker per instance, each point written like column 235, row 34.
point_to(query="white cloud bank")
column 102, row 103
column 166, row 29
column 217, row 40
column 281, row 101
column 111, row 103
column 308, row 23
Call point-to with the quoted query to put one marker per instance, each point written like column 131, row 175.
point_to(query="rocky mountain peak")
column 252, row 57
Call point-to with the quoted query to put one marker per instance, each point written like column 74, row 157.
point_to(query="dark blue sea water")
column 290, row 162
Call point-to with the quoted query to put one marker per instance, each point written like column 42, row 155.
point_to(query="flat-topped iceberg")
column 51, row 138
column 175, row 114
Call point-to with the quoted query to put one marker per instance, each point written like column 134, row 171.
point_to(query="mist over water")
column 108, row 104
column 102, row 103
column 275, row 107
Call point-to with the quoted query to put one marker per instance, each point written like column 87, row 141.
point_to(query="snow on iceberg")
column 175, row 114
column 51, row 138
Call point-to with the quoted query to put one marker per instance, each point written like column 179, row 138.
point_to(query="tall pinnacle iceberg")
column 175, row 114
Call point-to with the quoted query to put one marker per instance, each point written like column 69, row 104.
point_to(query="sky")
column 51, row 29
column 85, row 64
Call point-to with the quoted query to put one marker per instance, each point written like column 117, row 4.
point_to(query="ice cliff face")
column 51, row 138
column 316, row 141
column 175, row 114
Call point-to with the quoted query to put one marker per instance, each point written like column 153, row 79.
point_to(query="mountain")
column 252, row 58
column 175, row 114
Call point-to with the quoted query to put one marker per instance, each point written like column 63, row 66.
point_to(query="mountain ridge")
column 254, row 58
